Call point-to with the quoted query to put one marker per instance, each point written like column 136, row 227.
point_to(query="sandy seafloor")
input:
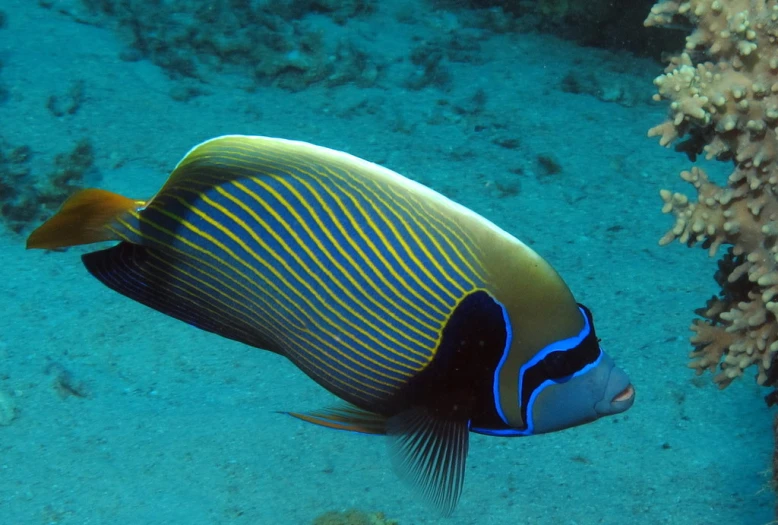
column 179, row 426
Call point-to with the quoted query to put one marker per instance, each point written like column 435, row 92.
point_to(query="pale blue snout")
column 619, row 393
column 603, row 390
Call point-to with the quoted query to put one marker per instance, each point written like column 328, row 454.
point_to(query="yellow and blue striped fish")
column 428, row 320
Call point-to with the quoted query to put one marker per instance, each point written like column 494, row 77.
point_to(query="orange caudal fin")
column 85, row 218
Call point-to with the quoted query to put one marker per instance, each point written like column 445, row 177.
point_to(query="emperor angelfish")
column 426, row 319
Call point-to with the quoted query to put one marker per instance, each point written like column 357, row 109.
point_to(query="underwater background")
column 533, row 114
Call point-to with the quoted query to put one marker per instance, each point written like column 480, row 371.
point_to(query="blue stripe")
column 563, row 345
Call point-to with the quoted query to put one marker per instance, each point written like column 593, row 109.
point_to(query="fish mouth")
column 619, row 394
column 625, row 395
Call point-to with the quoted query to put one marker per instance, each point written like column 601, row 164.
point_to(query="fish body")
column 428, row 320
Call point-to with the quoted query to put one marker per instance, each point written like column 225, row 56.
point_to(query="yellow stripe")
column 463, row 237
column 296, row 330
column 426, row 308
column 390, row 247
column 381, row 305
column 265, row 228
column 247, row 158
column 261, row 309
column 301, row 321
column 411, row 253
column 365, row 258
column 278, row 335
column 409, row 288
column 299, row 261
column 422, row 211
column 214, row 304
column 392, row 205
column 223, row 248
column 280, row 151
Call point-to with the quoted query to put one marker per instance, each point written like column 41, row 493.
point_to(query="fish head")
column 572, row 382
column 565, row 383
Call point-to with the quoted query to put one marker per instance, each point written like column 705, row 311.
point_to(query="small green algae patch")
column 353, row 517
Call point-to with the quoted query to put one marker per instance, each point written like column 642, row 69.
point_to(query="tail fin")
column 85, row 218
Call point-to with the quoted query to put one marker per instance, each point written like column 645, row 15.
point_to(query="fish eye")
column 559, row 365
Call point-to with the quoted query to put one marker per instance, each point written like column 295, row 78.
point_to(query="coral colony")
column 723, row 93
column 728, row 109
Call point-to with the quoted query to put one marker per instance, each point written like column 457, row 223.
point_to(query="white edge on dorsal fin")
column 386, row 174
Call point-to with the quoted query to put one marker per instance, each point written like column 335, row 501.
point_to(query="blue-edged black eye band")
column 557, row 363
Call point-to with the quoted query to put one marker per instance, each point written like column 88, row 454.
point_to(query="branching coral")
column 723, row 93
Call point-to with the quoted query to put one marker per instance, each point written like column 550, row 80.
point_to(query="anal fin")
column 346, row 417
column 156, row 279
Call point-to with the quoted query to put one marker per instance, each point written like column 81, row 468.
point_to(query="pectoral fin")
column 429, row 453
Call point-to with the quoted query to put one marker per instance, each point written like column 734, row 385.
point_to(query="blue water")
column 124, row 416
